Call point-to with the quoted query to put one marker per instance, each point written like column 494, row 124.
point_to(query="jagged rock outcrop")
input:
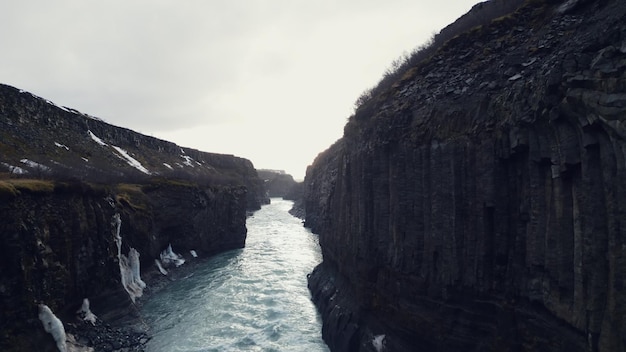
column 64, row 179
column 479, row 204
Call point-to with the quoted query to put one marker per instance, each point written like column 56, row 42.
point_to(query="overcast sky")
column 273, row 81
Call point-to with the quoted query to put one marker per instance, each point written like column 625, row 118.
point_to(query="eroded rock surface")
column 65, row 177
column 479, row 204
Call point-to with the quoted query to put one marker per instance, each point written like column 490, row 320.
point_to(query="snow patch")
column 160, row 267
column 129, row 266
column 86, row 160
column 53, row 326
column 34, row 165
column 60, row 107
column 193, row 253
column 61, row 146
column 168, row 166
column 131, row 161
column 15, row 169
column 96, row 139
column 188, row 160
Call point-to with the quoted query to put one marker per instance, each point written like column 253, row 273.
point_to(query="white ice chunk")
column 131, row 161
column 86, row 313
column 34, row 165
column 161, row 269
column 96, row 139
column 379, row 343
column 53, row 326
column 169, row 257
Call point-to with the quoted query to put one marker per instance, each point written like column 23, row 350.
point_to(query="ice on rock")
column 160, row 267
column 53, row 326
column 96, row 139
column 34, row 165
column 116, row 222
column 129, row 266
column 16, row 170
column 85, row 313
column 188, row 160
column 169, row 257
column 133, row 256
column 379, row 343
column 61, row 145
column 131, row 161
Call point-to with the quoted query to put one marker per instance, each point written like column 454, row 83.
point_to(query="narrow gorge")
column 478, row 203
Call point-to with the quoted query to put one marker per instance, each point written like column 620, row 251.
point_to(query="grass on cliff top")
column 13, row 187
column 131, row 195
column 408, row 66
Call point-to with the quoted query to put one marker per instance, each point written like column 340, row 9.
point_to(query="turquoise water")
column 252, row 299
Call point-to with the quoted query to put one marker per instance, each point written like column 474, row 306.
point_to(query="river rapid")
column 250, row 299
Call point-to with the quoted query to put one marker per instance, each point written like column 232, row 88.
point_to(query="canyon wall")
column 58, row 246
column 479, row 204
column 65, row 177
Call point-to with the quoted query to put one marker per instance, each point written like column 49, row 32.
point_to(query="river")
column 250, row 299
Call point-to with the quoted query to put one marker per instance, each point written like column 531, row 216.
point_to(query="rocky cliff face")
column 66, row 177
column 41, row 139
column 59, row 246
column 479, row 204
column 277, row 182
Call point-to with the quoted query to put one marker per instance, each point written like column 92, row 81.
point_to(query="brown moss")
column 29, row 185
column 7, row 190
column 130, row 196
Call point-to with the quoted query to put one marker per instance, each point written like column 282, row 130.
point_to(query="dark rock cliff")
column 480, row 204
column 64, row 177
column 59, row 246
column 278, row 183
column 41, row 139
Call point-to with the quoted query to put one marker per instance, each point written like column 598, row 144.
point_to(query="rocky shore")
column 128, row 332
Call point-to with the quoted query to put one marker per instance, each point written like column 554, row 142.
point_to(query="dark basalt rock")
column 478, row 204
column 59, row 248
column 277, row 182
column 47, row 141
column 59, row 191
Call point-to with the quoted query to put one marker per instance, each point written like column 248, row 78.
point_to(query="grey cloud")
column 160, row 66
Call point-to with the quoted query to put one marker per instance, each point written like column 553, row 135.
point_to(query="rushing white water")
column 252, row 299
